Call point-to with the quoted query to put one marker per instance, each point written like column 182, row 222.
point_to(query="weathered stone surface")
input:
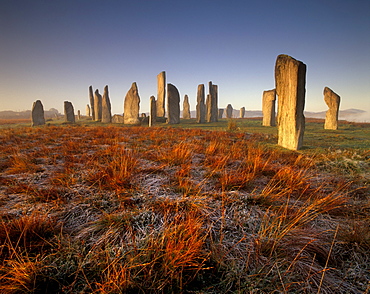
column 220, row 113
column 332, row 100
column 106, row 115
column 98, row 100
column 212, row 103
column 173, row 104
column 268, row 108
column 69, row 113
column 229, row 111
column 161, row 94
column 242, row 112
column 152, row 111
column 132, row 106
column 37, row 114
column 201, row 107
column 92, row 102
column 88, row 111
column 186, row 108
column 290, row 81
column 117, row 119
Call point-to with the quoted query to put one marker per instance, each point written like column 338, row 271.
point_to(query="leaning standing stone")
column 106, row 115
column 161, row 94
column 290, row 81
column 201, row 107
column 152, row 111
column 173, row 104
column 229, row 111
column 186, row 108
column 37, row 115
column 69, row 113
column 332, row 100
column 98, row 105
column 132, row 106
column 268, row 108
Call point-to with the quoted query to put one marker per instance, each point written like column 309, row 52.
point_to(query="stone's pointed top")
column 106, row 88
column 328, row 90
column 97, row 91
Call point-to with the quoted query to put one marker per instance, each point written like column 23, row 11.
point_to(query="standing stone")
column 92, row 102
column 290, row 81
column 88, row 112
column 97, row 105
column 37, row 114
column 132, row 106
column 117, row 119
column 201, row 107
column 78, row 114
column 332, row 100
column 220, row 113
column 152, row 111
column 212, row 103
column 106, row 116
column 161, row 94
column 173, row 104
column 186, row 108
column 208, row 108
column 242, row 112
column 229, row 111
column 268, row 108
column 69, row 113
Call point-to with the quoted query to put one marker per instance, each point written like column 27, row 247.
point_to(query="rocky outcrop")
column 229, row 111
column 132, row 106
column 152, row 111
column 186, row 108
column 161, row 94
column 332, row 100
column 290, row 81
column 268, row 108
column 37, row 114
column 106, row 116
column 92, row 102
column 97, row 105
column 69, row 113
column 201, row 107
column 173, row 104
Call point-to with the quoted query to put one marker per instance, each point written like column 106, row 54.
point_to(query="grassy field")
column 213, row 208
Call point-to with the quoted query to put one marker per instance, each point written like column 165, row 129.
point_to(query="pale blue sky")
column 54, row 50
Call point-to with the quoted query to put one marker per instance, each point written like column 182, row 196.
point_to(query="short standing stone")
column 132, row 106
column 117, row 119
column 220, row 113
column 201, row 107
column 290, row 81
column 229, row 111
column 186, row 108
column 98, row 105
column 106, row 115
column 332, row 100
column 152, row 111
column 173, row 104
column 161, row 94
column 69, row 113
column 37, row 116
column 78, row 114
column 242, row 112
column 268, row 108
column 88, row 111
column 92, row 103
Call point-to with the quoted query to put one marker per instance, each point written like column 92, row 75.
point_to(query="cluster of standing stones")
column 290, row 88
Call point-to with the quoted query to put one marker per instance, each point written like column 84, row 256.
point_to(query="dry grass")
column 162, row 210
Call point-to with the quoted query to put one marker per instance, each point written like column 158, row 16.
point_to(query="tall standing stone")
column 106, row 116
column 242, row 112
column 268, row 108
column 161, row 94
column 152, row 111
column 220, row 113
column 212, row 103
column 332, row 100
column 69, row 113
column 186, row 108
column 201, row 107
column 37, row 114
column 290, row 81
column 173, row 104
column 229, row 111
column 92, row 102
column 97, row 105
column 88, row 110
column 132, row 106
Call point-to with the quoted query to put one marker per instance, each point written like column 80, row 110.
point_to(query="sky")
column 54, row 50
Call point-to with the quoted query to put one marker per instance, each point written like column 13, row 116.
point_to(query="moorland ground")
column 211, row 208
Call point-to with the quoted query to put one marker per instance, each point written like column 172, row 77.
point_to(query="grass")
column 213, row 208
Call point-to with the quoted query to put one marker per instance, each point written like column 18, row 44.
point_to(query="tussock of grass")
column 90, row 209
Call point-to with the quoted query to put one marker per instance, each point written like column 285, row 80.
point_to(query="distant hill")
column 9, row 114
